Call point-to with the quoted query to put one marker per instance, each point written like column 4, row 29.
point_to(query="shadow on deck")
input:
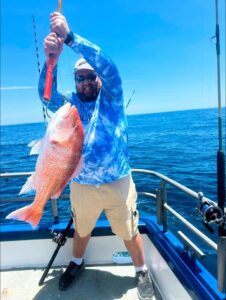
column 95, row 283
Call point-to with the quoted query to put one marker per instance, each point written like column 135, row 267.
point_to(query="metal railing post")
column 159, row 206
column 161, row 196
column 164, row 201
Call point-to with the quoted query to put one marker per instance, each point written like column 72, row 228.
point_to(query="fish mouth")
column 72, row 115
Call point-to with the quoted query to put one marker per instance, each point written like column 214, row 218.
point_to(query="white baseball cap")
column 82, row 64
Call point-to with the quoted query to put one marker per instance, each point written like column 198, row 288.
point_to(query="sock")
column 141, row 268
column 77, row 260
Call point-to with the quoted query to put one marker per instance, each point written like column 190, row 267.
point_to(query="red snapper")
column 59, row 160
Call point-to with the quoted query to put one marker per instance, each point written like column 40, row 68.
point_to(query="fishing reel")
column 59, row 238
column 211, row 213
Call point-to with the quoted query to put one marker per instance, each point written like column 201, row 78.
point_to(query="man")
column 105, row 182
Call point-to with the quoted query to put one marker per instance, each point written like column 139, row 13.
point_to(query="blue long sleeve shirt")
column 105, row 150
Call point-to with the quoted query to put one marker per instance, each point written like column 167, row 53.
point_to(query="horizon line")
column 168, row 111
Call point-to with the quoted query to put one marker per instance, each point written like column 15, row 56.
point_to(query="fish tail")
column 30, row 214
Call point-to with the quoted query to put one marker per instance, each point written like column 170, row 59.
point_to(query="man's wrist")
column 69, row 38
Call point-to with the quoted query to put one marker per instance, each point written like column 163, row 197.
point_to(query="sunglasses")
column 89, row 77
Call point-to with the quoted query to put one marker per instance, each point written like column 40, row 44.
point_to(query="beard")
column 88, row 95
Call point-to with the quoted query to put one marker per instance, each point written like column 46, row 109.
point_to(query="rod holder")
column 55, row 211
column 221, row 263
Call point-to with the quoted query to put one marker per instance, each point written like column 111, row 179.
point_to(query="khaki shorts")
column 117, row 200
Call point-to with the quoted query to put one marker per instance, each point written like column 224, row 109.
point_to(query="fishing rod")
column 221, row 257
column 59, row 238
column 44, row 108
column 215, row 212
column 130, row 99
column 50, row 64
column 212, row 212
column 220, row 152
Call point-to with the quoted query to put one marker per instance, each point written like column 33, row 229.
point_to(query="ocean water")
column 181, row 145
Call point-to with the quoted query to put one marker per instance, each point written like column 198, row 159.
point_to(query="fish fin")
column 28, row 186
column 28, row 213
column 35, row 146
column 78, row 168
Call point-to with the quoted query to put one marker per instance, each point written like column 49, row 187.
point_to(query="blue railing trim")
column 194, row 275
column 18, row 232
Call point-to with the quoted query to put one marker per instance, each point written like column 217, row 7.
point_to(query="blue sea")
column 181, row 145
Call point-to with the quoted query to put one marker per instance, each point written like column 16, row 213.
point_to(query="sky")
column 163, row 50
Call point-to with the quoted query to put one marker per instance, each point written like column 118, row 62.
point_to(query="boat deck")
column 96, row 283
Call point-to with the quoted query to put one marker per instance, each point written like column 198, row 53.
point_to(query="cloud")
column 9, row 88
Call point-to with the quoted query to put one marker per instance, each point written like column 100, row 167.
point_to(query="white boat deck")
column 96, row 283
column 21, row 270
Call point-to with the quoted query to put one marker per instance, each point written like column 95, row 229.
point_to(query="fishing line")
column 44, row 108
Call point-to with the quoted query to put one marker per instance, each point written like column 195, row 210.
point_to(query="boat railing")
column 160, row 195
column 162, row 208
column 218, row 217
